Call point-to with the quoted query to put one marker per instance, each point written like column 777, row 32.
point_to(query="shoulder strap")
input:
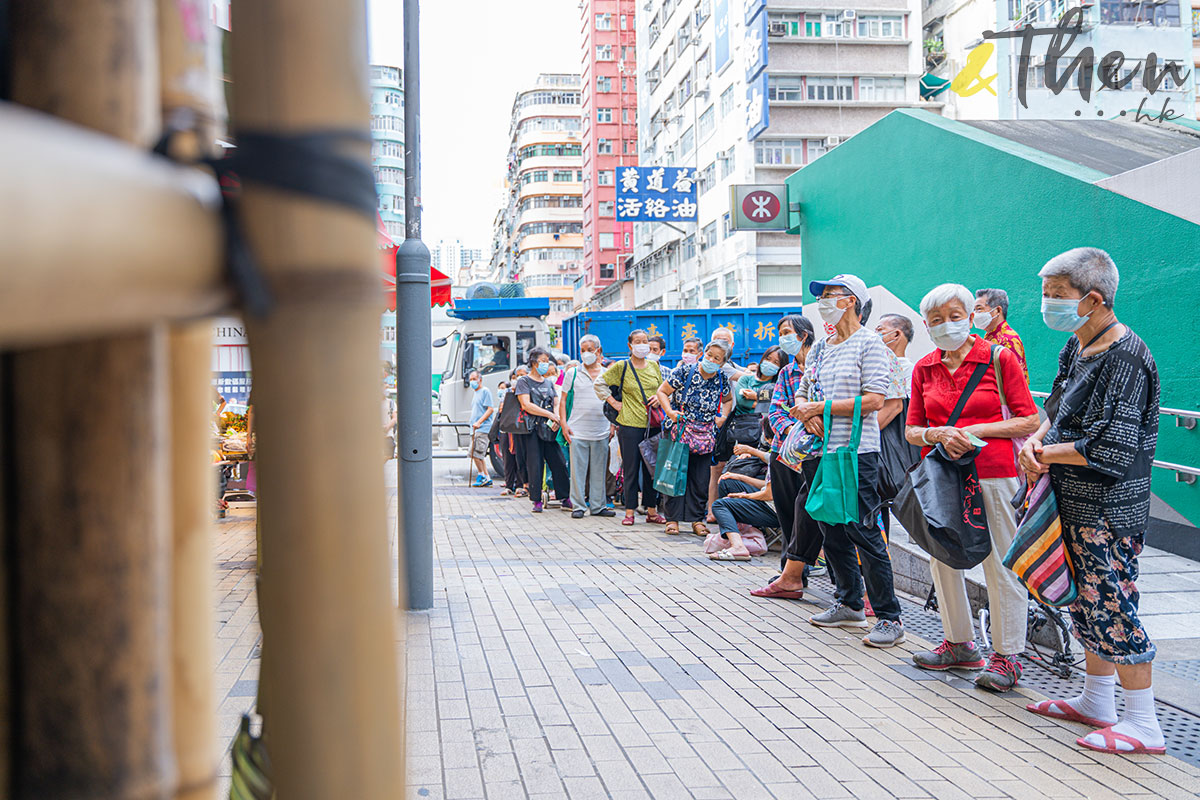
column 976, row 377
column 856, row 425
column 999, row 376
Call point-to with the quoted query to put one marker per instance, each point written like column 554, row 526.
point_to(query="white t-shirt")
column 587, row 420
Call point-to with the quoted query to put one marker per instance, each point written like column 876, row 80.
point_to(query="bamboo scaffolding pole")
column 89, row 502
column 98, row 236
column 332, row 725
column 188, row 87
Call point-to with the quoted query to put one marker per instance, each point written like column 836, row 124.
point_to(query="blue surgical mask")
column 474, row 384
column 768, row 369
column 790, row 344
column 1062, row 314
column 950, row 335
column 543, row 367
column 710, row 366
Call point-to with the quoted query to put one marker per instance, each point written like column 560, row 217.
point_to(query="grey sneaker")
column 839, row 616
column 949, row 655
column 1001, row 675
column 886, row 633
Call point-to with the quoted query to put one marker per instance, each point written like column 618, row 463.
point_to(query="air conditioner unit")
column 777, row 29
column 849, row 13
column 832, row 141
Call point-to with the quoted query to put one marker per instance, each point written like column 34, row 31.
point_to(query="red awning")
column 439, row 283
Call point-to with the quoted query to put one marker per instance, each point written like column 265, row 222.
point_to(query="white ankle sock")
column 1097, row 700
column 1140, row 721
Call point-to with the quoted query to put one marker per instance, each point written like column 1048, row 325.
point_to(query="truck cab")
column 493, row 337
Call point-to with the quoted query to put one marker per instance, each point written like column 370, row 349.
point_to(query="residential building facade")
column 1195, row 56
column 538, row 232
column 953, row 29
column 387, row 145
column 747, row 92
column 609, row 137
column 451, row 257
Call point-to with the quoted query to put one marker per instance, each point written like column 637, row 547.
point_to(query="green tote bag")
column 833, row 496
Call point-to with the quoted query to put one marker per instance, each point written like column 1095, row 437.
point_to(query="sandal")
column 700, row 529
column 1111, row 738
column 672, row 529
column 1061, row 709
column 521, row 493
column 771, row 590
column 657, row 519
column 726, row 555
column 629, row 520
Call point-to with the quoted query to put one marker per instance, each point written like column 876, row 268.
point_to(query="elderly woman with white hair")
column 584, row 426
column 940, row 385
column 1098, row 446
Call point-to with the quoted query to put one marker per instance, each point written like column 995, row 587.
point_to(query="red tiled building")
column 610, row 138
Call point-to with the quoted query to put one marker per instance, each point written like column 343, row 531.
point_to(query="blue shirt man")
column 483, row 414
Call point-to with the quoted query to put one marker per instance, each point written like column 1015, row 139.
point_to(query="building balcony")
column 539, row 240
column 548, row 137
column 549, row 215
column 548, row 162
column 534, row 188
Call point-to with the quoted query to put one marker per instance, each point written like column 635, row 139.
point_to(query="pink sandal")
column 1111, row 738
column 1052, row 709
column 773, row 591
column 627, row 520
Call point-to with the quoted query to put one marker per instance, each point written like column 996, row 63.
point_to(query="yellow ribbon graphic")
column 968, row 81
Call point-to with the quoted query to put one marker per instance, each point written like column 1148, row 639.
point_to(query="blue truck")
column 754, row 329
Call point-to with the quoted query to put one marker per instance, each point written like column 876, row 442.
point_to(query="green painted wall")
column 916, row 200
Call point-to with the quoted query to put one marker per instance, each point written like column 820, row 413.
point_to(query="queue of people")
column 758, row 438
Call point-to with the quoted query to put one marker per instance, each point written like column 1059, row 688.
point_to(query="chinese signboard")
column 721, row 47
column 758, row 111
column 656, row 194
column 756, row 46
column 753, row 7
column 758, row 208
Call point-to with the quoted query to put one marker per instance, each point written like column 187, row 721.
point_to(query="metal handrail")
column 1174, row 412
column 1183, row 473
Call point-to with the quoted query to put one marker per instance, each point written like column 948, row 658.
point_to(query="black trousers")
column 787, row 487
column 538, row 454
column 636, row 473
column 691, row 505
column 515, row 473
column 846, row 544
column 805, row 538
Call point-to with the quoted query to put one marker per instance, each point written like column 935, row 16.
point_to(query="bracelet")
column 924, row 433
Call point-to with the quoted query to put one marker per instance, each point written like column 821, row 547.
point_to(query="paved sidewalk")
column 581, row 659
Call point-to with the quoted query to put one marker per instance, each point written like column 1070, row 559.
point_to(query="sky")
column 475, row 56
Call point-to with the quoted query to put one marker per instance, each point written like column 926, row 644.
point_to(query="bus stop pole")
column 414, row 515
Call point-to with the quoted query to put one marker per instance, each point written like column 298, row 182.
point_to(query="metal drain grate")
column 1188, row 670
column 1180, row 729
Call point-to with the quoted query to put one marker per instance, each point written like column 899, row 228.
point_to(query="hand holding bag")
column 940, row 503
column 833, row 498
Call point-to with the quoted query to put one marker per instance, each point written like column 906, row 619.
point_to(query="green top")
column 633, row 410
column 750, row 381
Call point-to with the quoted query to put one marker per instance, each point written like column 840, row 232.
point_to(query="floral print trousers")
column 1105, row 613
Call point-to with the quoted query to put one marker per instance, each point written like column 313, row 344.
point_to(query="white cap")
column 846, row 281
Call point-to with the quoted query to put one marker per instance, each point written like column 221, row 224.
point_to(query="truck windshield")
column 487, row 358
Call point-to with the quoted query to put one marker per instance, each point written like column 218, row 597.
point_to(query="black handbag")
column 616, row 390
column 941, row 504
column 896, row 455
column 746, row 429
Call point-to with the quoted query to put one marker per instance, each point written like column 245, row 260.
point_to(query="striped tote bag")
column 1038, row 554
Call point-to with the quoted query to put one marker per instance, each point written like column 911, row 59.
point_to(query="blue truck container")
column 754, row 329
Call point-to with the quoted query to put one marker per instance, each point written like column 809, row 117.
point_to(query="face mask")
column 828, row 308
column 689, row 358
column 474, row 384
column 950, row 335
column 1062, row 315
column 768, row 369
column 588, row 358
column 982, row 320
column 653, row 357
column 543, row 367
column 710, row 366
column 790, row 344
column 640, row 350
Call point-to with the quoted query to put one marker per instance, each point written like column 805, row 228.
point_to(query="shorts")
column 479, row 444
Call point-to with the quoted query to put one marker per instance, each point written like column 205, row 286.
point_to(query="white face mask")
column 982, row 320
column 640, row 350
column 653, row 357
column 950, row 335
column 588, row 357
column 828, row 308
